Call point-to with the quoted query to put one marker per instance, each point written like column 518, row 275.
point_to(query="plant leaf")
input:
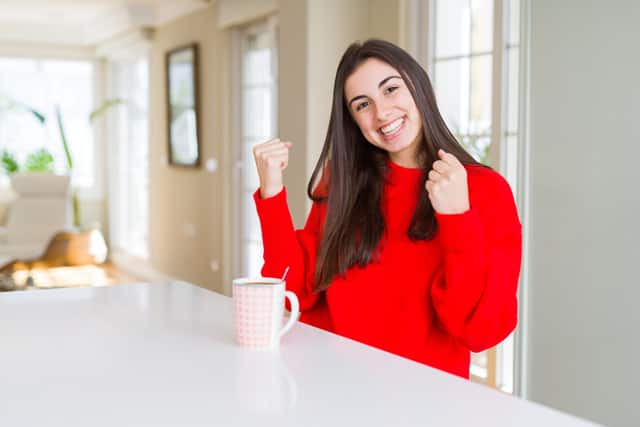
column 75, row 203
column 39, row 161
column 38, row 115
column 9, row 162
column 63, row 137
column 106, row 105
column 9, row 104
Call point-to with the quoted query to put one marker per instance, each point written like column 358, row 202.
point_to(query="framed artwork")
column 182, row 106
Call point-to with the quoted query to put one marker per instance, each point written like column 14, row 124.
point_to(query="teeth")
column 392, row 127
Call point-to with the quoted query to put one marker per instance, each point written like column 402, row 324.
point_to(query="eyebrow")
column 382, row 82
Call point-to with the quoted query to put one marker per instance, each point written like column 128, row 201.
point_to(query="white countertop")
column 164, row 355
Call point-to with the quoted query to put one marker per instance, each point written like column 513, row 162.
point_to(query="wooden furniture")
column 164, row 354
column 65, row 248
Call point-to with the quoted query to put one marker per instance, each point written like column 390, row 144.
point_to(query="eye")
column 391, row 89
column 362, row 105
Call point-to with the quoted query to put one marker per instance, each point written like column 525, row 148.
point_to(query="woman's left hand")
column 447, row 185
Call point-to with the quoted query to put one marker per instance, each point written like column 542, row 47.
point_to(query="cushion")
column 40, row 183
column 36, row 219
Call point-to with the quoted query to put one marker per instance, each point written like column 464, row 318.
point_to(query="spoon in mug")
column 284, row 275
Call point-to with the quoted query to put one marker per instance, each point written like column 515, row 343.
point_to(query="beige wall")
column 384, row 19
column 293, row 98
column 190, row 223
column 185, row 213
column 332, row 26
column 313, row 36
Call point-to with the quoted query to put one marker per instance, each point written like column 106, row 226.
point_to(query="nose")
column 383, row 110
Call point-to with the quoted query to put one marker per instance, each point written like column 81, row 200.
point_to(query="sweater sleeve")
column 286, row 247
column 474, row 295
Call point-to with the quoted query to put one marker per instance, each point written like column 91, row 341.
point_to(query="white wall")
column 585, row 202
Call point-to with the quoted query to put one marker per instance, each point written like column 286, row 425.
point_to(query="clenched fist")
column 272, row 157
column 447, row 185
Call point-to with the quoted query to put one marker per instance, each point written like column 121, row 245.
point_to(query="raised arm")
column 283, row 245
column 474, row 295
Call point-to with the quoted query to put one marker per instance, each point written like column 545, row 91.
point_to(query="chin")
column 395, row 149
column 396, row 146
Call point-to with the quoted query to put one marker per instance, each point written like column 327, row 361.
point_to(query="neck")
column 406, row 161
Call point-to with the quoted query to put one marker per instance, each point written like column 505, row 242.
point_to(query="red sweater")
column 432, row 302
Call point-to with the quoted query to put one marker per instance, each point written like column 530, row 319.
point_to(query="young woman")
column 411, row 246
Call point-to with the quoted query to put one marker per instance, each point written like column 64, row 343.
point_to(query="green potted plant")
column 42, row 160
column 93, row 116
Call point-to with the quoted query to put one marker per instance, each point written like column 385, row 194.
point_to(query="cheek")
column 366, row 125
column 408, row 104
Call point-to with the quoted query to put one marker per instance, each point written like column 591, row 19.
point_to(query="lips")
column 393, row 126
column 391, row 130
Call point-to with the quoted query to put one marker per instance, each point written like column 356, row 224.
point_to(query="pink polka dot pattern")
column 254, row 315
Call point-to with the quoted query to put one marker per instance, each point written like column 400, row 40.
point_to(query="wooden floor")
column 118, row 276
column 67, row 277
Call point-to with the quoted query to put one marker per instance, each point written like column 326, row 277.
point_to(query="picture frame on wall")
column 183, row 115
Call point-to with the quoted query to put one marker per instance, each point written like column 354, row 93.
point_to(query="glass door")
column 258, row 123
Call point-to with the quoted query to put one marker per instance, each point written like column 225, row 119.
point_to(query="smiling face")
column 382, row 106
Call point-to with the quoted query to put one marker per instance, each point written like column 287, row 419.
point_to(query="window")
column 129, row 173
column 258, row 95
column 511, row 133
column 463, row 70
column 43, row 84
column 473, row 61
column 509, row 155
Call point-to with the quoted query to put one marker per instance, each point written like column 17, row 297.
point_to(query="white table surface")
column 164, row 355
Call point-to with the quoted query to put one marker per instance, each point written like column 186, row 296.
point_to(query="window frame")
column 417, row 11
column 119, row 223
column 237, row 243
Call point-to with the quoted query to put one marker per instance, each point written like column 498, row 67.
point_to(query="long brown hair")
column 351, row 171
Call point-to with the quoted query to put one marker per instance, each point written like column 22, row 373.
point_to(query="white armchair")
column 40, row 209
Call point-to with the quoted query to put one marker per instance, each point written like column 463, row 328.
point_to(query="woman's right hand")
column 272, row 157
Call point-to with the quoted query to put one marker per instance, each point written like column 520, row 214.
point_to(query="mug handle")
column 295, row 312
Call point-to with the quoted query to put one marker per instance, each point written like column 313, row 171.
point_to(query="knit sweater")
column 429, row 301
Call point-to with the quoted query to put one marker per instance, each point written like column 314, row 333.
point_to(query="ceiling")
column 84, row 22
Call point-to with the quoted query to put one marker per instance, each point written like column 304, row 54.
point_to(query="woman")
column 411, row 246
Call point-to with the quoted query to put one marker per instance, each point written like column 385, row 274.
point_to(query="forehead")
column 365, row 79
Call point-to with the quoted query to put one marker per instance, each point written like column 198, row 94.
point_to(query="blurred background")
column 151, row 108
